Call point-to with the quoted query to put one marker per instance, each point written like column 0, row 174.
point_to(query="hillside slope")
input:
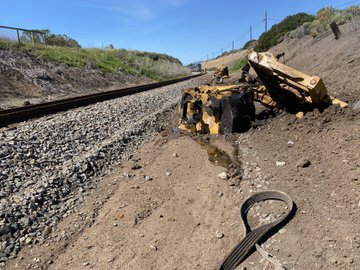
column 336, row 61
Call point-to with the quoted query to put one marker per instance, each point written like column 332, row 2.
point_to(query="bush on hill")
column 323, row 19
column 152, row 65
column 278, row 31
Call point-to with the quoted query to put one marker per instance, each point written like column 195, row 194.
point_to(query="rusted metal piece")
column 33, row 111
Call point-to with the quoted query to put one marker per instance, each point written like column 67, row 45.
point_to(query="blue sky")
column 190, row 30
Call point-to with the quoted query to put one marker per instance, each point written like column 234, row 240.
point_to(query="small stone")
column 28, row 240
column 135, row 166
column 290, row 143
column 303, row 163
column 47, row 231
column 280, row 163
column 4, row 229
column 148, row 178
column 219, row 234
column 85, row 264
column 223, row 176
column 126, row 175
column 168, row 173
column 153, row 247
column 110, row 260
column 175, row 155
column 282, row 230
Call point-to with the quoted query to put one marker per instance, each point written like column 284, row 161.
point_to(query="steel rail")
column 33, row 111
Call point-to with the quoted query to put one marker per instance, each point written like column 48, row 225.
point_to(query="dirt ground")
column 167, row 214
column 225, row 60
column 172, row 211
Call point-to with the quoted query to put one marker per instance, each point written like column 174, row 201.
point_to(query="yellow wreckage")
column 230, row 108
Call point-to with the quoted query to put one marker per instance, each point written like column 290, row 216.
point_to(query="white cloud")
column 135, row 9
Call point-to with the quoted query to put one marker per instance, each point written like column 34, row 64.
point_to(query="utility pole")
column 221, row 51
column 250, row 33
column 207, row 57
column 266, row 21
column 233, row 45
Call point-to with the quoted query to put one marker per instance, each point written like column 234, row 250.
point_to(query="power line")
column 273, row 18
column 322, row 5
column 347, row 3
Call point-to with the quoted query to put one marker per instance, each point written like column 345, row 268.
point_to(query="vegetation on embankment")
column 322, row 21
column 151, row 65
column 278, row 31
column 236, row 65
column 294, row 26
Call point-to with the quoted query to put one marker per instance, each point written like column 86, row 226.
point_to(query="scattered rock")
column 168, row 173
column 126, row 175
column 135, row 166
column 154, row 247
column 303, row 163
column 47, row 231
column 280, row 163
column 219, row 234
column 223, row 176
column 28, row 240
column 175, row 155
column 148, row 178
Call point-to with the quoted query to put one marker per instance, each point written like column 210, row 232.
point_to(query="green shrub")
column 278, row 31
column 237, row 65
column 326, row 15
column 248, row 44
column 152, row 65
column 323, row 19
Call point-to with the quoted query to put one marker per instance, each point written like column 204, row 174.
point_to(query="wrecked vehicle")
column 230, row 108
column 221, row 73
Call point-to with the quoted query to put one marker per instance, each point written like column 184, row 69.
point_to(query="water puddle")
column 218, row 156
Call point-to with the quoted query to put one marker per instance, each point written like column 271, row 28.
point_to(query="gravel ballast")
column 49, row 164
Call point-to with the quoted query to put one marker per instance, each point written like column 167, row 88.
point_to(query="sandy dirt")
column 225, row 60
column 176, row 213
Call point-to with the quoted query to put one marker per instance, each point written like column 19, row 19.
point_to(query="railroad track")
column 33, row 111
